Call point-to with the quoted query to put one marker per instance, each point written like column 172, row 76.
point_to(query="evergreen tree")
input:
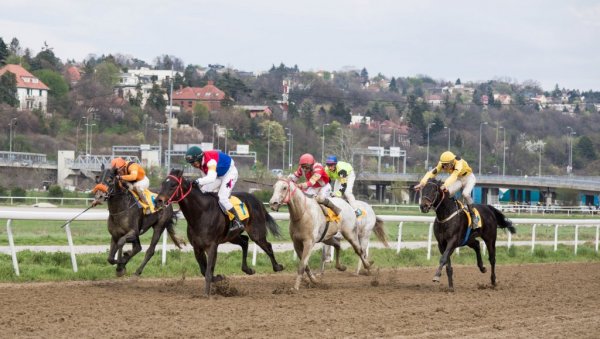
column 156, row 99
column 585, row 148
column 393, row 85
column 457, row 82
column 8, row 89
column 15, row 47
column 3, row 52
column 364, row 76
column 340, row 113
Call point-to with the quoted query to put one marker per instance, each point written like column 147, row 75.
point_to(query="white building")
column 31, row 92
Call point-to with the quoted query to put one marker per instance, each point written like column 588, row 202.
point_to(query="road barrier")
column 68, row 214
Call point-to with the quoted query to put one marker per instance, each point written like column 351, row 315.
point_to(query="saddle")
column 466, row 210
column 241, row 209
column 150, row 197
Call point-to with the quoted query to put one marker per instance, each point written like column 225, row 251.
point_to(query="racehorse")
column 309, row 226
column 127, row 221
column 366, row 224
column 451, row 228
column 208, row 226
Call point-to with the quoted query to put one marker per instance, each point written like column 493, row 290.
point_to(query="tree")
column 340, row 113
column 107, row 74
column 307, row 113
column 585, row 148
column 46, row 59
column 457, row 82
column 393, row 85
column 58, row 85
column 8, row 89
column 15, row 47
column 3, row 52
column 364, row 76
column 156, row 99
column 201, row 112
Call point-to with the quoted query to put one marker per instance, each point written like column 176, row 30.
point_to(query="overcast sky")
column 551, row 42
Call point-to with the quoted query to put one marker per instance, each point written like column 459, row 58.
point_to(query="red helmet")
column 307, row 159
column 118, row 163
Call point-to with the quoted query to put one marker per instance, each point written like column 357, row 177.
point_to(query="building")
column 255, row 110
column 188, row 97
column 31, row 92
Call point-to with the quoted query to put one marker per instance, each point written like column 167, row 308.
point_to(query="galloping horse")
column 208, row 226
column 308, row 225
column 452, row 230
column 366, row 224
column 127, row 221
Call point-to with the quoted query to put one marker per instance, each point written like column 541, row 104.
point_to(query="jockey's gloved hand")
column 337, row 194
column 418, row 187
column 196, row 183
column 444, row 188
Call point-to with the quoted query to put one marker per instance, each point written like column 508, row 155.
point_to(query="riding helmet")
column 447, row 157
column 331, row 160
column 307, row 159
column 118, row 163
column 194, row 154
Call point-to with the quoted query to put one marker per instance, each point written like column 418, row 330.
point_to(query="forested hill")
column 516, row 125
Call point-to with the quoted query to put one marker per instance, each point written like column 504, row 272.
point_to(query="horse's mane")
column 435, row 181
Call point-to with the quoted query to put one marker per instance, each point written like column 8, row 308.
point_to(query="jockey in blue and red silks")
column 220, row 176
column 317, row 181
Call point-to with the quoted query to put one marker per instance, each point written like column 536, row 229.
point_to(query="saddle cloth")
column 240, row 208
column 150, row 196
column 331, row 216
column 465, row 209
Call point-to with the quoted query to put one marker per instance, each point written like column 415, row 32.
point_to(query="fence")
column 10, row 215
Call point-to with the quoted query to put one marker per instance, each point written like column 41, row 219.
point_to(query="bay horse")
column 451, row 228
column 366, row 224
column 208, row 226
column 127, row 221
column 308, row 226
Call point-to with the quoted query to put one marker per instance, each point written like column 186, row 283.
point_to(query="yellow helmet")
column 447, row 157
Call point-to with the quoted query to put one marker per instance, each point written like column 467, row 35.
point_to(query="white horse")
column 308, row 225
column 366, row 224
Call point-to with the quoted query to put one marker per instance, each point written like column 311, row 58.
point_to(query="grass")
column 41, row 266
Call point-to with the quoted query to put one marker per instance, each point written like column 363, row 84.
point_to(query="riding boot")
column 236, row 224
column 328, row 203
column 474, row 218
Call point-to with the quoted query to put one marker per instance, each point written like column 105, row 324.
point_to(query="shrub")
column 55, row 191
column 18, row 192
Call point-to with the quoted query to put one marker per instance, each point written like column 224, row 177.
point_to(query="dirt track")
column 546, row 300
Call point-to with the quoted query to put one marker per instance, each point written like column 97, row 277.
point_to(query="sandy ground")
column 540, row 300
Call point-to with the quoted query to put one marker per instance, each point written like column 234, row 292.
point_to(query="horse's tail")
column 272, row 225
column 379, row 230
column 170, row 227
column 503, row 221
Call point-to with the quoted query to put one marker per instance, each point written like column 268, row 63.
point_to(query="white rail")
column 68, row 214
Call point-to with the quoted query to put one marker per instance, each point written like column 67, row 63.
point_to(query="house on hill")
column 188, row 97
column 31, row 92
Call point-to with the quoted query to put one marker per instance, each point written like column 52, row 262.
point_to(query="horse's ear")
column 279, row 176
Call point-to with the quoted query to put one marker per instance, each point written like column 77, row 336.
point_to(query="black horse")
column 452, row 230
column 127, row 221
column 208, row 226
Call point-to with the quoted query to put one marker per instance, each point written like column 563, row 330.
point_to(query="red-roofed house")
column 31, row 92
column 73, row 75
column 210, row 96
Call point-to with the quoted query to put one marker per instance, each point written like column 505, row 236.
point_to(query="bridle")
column 437, row 195
column 291, row 191
column 178, row 190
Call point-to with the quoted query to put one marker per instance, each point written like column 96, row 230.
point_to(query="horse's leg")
column 112, row 251
column 335, row 243
column 449, row 273
column 311, row 276
column 268, row 248
column 450, row 246
column 353, row 240
column 208, row 277
column 150, row 251
column 491, row 244
column 200, row 258
column 242, row 240
column 474, row 244
column 302, row 249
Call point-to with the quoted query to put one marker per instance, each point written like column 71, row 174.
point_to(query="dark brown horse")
column 127, row 221
column 452, row 230
column 208, row 226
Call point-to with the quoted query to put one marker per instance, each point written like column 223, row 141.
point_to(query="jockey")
column 461, row 176
column 317, row 181
column 220, row 176
column 344, row 176
column 134, row 173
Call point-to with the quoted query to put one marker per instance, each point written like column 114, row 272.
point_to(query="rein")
column 178, row 190
column 455, row 213
column 111, row 192
column 290, row 193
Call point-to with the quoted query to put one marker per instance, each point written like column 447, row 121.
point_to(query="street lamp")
column 170, row 120
column 214, row 127
column 160, row 128
column 503, row 149
column 540, row 147
column 571, row 133
column 291, row 152
column 446, row 127
column 13, row 123
column 323, row 143
column 480, row 126
column 427, row 160
column 268, row 145
column 88, row 134
column 379, row 150
column 77, row 135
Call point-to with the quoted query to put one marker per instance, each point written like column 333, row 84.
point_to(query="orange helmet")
column 307, row 159
column 118, row 163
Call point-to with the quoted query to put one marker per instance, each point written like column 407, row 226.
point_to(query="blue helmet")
column 331, row 160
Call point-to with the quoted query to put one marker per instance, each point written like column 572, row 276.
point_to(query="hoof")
column 436, row 279
column 121, row 272
column 112, row 261
column 217, row 278
column 249, row 271
column 364, row 272
column 451, row 289
column 278, row 268
column 341, row 268
column 482, row 269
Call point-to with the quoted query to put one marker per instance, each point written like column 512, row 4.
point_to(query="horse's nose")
column 274, row 205
column 159, row 201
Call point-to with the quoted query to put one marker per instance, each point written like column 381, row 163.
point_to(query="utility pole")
column 170, row 120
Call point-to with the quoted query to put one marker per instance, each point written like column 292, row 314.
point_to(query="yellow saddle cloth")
column 150, row 196
column 331, row 216
column 240, row 208
column 464, row 208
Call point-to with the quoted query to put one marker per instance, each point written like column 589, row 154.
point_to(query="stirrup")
column 358, row 212
column 235, row 226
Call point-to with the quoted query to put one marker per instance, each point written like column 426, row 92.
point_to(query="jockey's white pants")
column 320, row 193
column 467, row 183
column 223, row 186
column 349, row 186
column 140, row 186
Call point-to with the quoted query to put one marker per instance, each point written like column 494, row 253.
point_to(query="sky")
column 550, row 42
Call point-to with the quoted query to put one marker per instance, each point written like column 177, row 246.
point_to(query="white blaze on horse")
column 309, row 226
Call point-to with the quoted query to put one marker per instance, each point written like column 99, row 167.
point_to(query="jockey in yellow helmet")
column 461, row 176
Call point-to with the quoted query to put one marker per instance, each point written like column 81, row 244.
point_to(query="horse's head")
column 105, row 183
column 281, row 193
column 431, row 193
column 173, row 189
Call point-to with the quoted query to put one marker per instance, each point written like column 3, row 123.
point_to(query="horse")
column 451, row 228
column 309, row 226
column 366, row 224
column 127, row 221
column 208, row 226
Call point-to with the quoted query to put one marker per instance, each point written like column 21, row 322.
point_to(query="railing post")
column 509, row 242
column 533, row 237
column 164, row 248
column 429, row 241
column 597, row 236
column 399, row 237
column 71, row 247
column 11, row 243
column 555, row 237
column 576, row 238
column 254, row 251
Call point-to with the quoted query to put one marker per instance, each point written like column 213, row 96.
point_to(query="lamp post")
column 480, row 126
column 503, row 149
column 170, row 120
column 571, row 133
column 268, row 146
column 448, row 128
column 214, row 127
column 540, row 147
column 323, row 143
column 77, row 134
column 379, row 150
column 226, row 133
column 88, row 134
column 291, row 155
column 160, row 129
column 12, row 124
column 427, row 160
